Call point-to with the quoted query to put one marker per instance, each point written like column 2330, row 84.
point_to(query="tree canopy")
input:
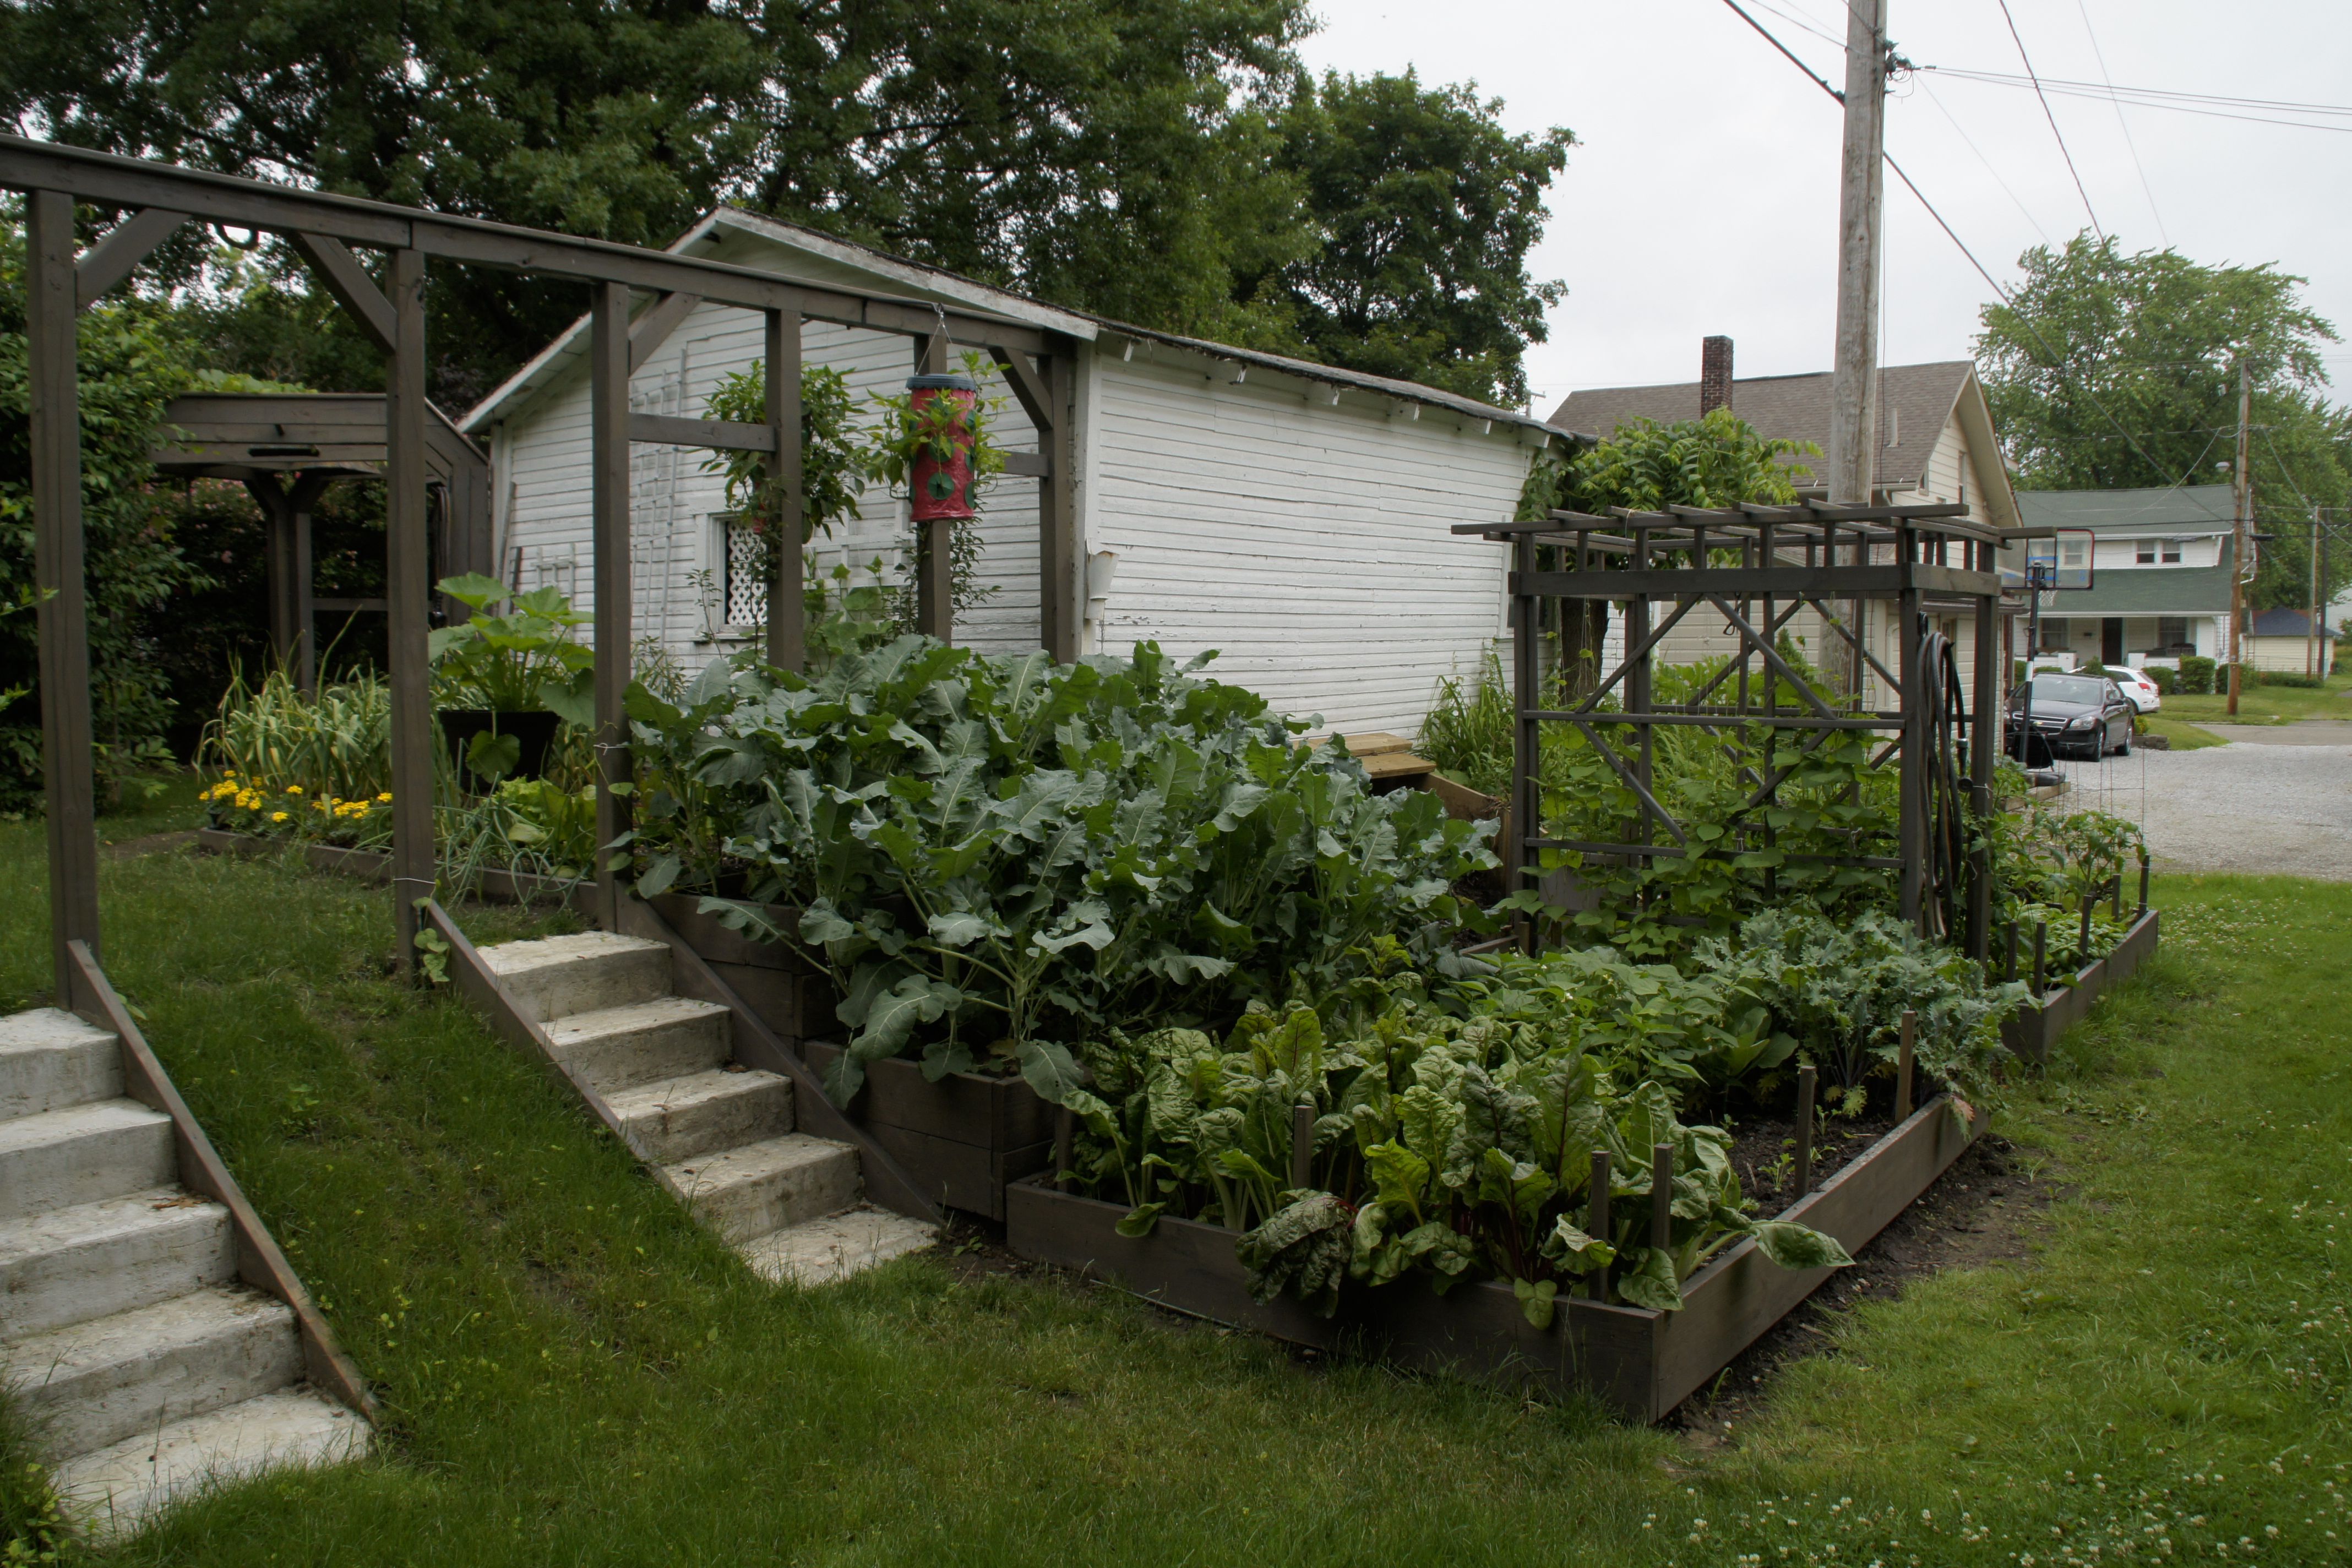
column 2099, row 344
column 1163, row 162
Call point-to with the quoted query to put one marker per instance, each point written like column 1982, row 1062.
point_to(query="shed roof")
column 915, row 280
column 2286, row 623
column 1915, row 401
column 2164, row 509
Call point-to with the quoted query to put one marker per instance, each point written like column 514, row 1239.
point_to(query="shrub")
column 2197, row 674
column 2166, row 681
column 2287, row 678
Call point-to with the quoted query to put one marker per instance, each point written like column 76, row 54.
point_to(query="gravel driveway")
column 2280, row 805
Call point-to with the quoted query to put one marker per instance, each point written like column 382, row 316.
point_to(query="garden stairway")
column 141, row 1367
column 717, row 1134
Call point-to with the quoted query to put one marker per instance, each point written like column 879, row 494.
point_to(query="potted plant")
column 503, row 682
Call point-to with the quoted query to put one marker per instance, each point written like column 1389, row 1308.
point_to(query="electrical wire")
column 2051, row 115
column 2121, row 124
column 2013, row 197
column 2183, row 103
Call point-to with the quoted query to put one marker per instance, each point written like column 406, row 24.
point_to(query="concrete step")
column 112, row 1489
column 93, row 1260
column 679, row 1117
column 821, row 1251
column 642, row 1042
column 55, row 1158
column 556, row 976
column 50, row 1060
column 94, row 1384
column 748, row 1191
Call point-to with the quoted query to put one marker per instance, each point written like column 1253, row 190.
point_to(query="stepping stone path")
column 717, row 1134
column 143, row 1368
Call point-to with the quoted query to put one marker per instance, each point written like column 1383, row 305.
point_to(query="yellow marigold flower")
column 385, row 795
column 293, row 789
column 277, row 817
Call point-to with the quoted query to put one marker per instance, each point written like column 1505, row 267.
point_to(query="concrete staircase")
column 717, row 1134
column 141, row 1365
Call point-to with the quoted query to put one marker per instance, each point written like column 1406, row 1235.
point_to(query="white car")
column 2135, row 685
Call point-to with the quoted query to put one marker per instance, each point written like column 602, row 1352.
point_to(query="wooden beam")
column 1808, row 582
column 726, row 434
column 126, row 244
column 608, row 467
column 1029, row 390
column 339, row 272
column 1029, row 465
column 654, row 324
column 406, row 589
column 69, row 793
column 787, row 604
column 1060, row 603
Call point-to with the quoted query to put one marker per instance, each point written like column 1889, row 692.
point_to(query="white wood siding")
column 1309, row 545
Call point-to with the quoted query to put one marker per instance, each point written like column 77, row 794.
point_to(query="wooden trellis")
column 1757, row 567
column 637, row 296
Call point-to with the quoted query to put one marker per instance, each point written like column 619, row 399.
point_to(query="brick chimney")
column 1714, row 374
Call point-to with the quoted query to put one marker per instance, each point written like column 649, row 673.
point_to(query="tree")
column 1112, row 153
column 2116, row 370
column 1422, row 210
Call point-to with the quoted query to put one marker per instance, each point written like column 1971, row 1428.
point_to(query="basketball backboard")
column 2061, row 564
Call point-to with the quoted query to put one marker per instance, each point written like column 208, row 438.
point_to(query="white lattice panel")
column 747, row 595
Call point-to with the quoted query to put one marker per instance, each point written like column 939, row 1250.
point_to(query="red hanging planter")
column 941, row 490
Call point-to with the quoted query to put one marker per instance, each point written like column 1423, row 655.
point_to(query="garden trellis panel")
column 1757, row 567
column 156, row 199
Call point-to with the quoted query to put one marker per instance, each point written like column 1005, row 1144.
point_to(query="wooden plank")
column 1802, row 582
column 608, row 467
column 1060, row 603
column 654, row 324
column 976, row 1108
column 787, row 596
column 721, row 434
column 1398, row 766
column 1479, row 1331
column 341, row 274
column 1029, row 465
column 1462, row 803
column 62, row 617
column 756, row 1045
column 124, row 246
column 202, row 1170
column 717, row 944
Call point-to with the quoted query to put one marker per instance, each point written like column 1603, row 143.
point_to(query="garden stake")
column 2117, row 910
column 2142, row 888
column 2009, row 970
column 2083, row 943
column 2040, row 946
column 1903, row 1066
column 1302, row 1144
column 1063, row 1121
column 1805, row 1084
column 1662, row 1196
column 1596, row 1223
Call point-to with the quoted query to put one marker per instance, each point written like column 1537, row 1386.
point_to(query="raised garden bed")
column 1642, row 1362
column 2035, row 1027
column 960, row 1140
column 489, row 884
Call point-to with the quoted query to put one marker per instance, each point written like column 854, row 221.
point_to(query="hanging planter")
column 938, row 434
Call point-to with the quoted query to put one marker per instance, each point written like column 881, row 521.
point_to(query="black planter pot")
column 535, row 733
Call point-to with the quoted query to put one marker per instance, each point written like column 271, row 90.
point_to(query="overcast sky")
column 1704, row 196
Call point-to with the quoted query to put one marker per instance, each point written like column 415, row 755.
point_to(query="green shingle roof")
column 2192, row 509
column 2157, row 591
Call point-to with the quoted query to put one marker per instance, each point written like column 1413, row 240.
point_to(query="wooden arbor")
column 286, row 450
column 155, row 199
column 1757, row 567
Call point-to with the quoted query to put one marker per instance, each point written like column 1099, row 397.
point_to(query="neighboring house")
column 2159, row 565
column 1292, row 516
column 1936, row 443
column 2282, row 641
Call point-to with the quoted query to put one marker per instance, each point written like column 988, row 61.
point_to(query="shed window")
column 746, row 597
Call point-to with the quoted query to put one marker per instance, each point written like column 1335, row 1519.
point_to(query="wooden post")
column 69, row 791
column 2143, row 887
column 608, row 467
column 1807, row 1084
column 1596, row 1223
column 787, row 606
column 2118, row 908
column 1064, row 1127
column 1518, row 860
column 407, row 554
column 2009, row 967
column 1902, row 1065
column 1984, row 748
column 1302, row 1144
column 1662, row 1196
column 2041, row 957
column 934, row 542
column 304, row 497
column 2242, row 480
column 1912, row 763
column 1060, row 601
column 2083, row 941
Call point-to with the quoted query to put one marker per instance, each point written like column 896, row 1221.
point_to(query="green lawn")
column 573, row 1374
column 2266, row 704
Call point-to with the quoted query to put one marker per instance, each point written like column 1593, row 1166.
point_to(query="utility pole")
column 2311, row 662
column 2238, row 530
column 1853, row 364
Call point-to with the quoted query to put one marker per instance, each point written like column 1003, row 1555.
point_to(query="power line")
column 2178, row 103
column 1766, row 34
column 2051, row 115
column 2121, row 124
column 2151, row 94
column 2004, row 185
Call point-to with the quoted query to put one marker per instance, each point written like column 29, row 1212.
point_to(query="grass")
column 573, row 1372
column 2184, row 737
column 2266, row 704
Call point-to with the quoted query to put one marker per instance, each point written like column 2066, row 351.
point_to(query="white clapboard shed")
column 1294, row 517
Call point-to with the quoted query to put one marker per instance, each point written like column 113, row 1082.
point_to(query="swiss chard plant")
column 995, row 858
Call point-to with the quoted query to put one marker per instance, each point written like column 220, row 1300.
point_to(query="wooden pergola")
column 286, row 450
column 637, row 297
column 1756, row 567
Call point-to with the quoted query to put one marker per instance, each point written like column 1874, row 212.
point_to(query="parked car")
column 2088, row 714
column 2135, row 684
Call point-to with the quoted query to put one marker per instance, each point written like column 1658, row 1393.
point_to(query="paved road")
column 2282, row 803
